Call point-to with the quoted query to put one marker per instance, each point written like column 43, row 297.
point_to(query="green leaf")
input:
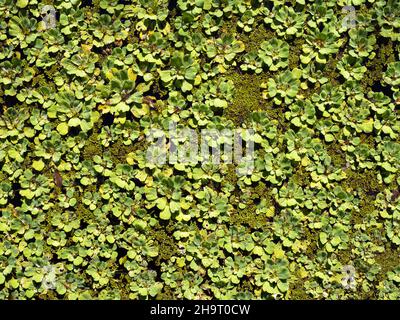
column 190, row 73
column 207, row 5
column 77, row 261
column 335, row 241
column 367, row 126
column 258, row 251
column 283, row 286
column 329, row 137
column 186, row 86
column 74, row 122
column 38, row 165
column 329, row 247
column 388, row 167
column 165, row 75
column 30, row 293
column 323, row 237
column 108, row 39
column 174, row 206
column 165, row 214
column 14, row 283
column 62, row 128
column 268, row 288
column 85, row 181
column 219, row 103
column 29, row 132
column 110, row 238
column 30, row 234
column 15, row 155
column 155, row 289
column 22, row 3
column 86, row 126
column 291, row 202
column 161, row 203
column 152, row 252
column 60, row 288
column 27, row 193
column 198, row 173
column 296, row 121
column 37, row 277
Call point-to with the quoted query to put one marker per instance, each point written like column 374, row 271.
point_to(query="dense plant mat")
column 84, row 215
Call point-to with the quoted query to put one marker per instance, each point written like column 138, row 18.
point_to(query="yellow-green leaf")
column 38, row 165
column 62, row 128
column 22, row 3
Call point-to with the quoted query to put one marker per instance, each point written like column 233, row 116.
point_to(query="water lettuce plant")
column 93, row 205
